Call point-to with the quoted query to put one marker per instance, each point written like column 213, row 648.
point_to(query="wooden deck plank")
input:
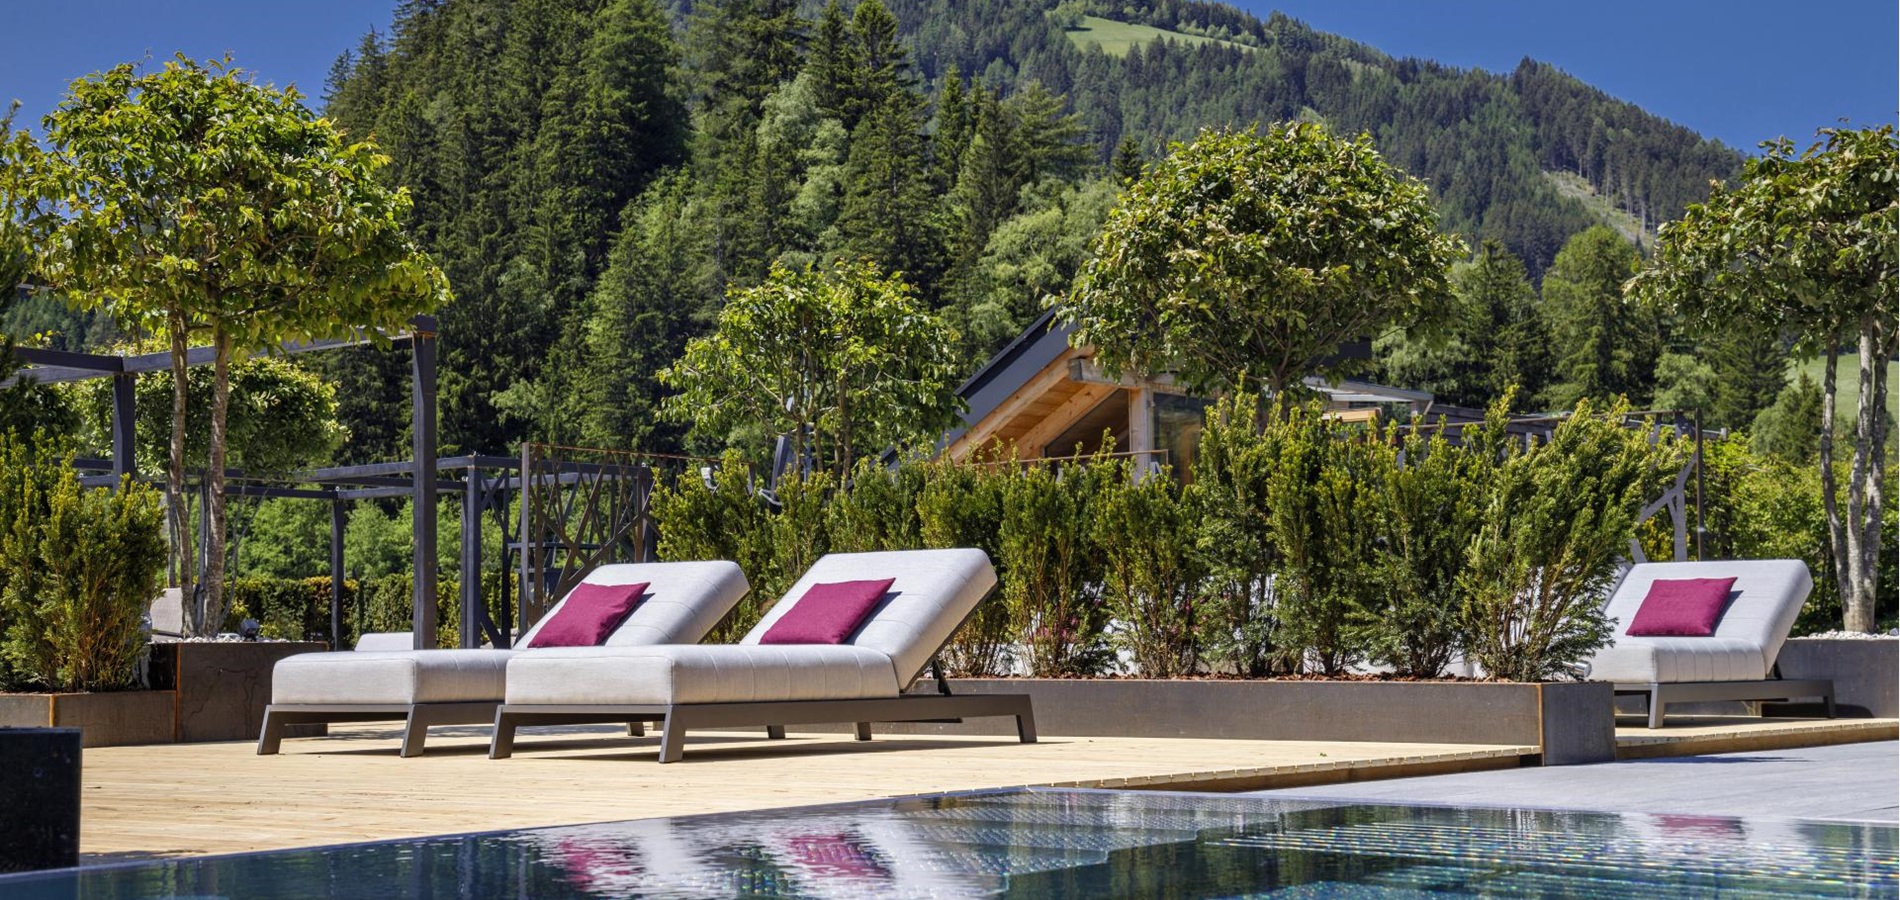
column 187, row 799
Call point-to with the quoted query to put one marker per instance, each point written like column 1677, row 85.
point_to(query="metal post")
column 524, row 494
column 422, row 342
column 471, row 636
column 336, row 574
column 123, row 418
column 1701, row 524
column 1141, row 429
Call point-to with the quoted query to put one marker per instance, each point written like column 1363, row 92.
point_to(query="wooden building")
column 1047, row 399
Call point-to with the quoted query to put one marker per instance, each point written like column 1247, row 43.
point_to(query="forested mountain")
column 594, row 174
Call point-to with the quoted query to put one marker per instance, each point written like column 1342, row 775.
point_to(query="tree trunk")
column 1836, row 533
column 1864, row 494
column 214, row 480
column 177, row 515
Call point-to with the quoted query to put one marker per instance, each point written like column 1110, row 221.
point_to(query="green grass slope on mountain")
column 1117, row 38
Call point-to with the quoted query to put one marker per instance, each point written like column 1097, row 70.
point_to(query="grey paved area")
column 1859, row 782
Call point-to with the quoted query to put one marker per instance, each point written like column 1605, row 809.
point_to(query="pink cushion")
column 827, row 614
column 1686, row 607
column 591, row 613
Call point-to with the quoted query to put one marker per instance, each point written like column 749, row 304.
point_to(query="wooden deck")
column 1695, row 735
column 187, row 799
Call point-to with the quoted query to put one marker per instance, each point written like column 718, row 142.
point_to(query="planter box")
column 1570, row 722
column 1866, row 675
column 106, row 720
column 39, row 798
column 224, row 686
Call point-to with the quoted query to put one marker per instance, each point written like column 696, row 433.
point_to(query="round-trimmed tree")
column 1260, row 253
column 198, row 205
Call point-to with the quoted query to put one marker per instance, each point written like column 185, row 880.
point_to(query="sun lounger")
column 865, row 679
column 1737, row 662
column 682, row 602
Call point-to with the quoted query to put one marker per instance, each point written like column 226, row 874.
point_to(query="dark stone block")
column 224, row 686
column 39, row 798
column 1866, row 676
column 1570, row 723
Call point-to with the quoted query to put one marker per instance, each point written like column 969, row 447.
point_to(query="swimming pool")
column 1059, row 843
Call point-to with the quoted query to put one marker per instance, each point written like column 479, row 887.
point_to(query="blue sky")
column 1740, row 71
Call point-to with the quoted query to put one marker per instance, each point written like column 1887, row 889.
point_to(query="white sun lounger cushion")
column 933, row 592
column 1769, row 595
column 684, row 600
column 703, row 673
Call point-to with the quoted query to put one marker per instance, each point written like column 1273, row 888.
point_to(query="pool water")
column 1059, row 843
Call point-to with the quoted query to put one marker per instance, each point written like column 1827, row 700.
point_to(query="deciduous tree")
column 197, row 204
column 1260, row 253
column 1807, row 244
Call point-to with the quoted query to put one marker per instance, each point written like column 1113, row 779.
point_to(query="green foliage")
column 1790, row 430
column 281, row 417
column 1606, row 345
column 298, row 609
column 722, row 519
column 77, row 568
column 1233, row 469
column 846, row 361
column 1267, row 250
column 1554, row 529
column 1433, row 499
column 1151, row 589
column 878, row 509
column 193, row 203
column 962, row 506
column 1323, row 501
column 1495, row 339
column 1807, row 246
column 1052, row 572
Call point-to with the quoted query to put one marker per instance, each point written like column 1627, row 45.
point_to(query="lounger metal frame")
column 1661, row 694
column 417, row 718
column 675, row 719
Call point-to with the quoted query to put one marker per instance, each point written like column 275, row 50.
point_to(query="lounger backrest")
column 683, row 600
column 1767, row 597
column 934, row 592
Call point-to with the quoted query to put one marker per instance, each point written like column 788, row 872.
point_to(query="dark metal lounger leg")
column 672, row 738
column 415, row 731
column 636, row 729
column 272, row 737
column 775, row 732
column 1026, row 724
column 501, row 744
column 864, row 731
column 1829, row 698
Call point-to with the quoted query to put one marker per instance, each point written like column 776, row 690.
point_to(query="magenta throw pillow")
column 1685, row 607
column 828, row 613
column 591, row 613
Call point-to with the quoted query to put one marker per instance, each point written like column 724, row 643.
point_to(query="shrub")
column 1434, row 496
column 1235, row 537
column 721, row 520
column 1145, row 533
column 962, row 506
column 80, row 565
column 1555, row 529
column 1052, row 571
column 1322, row 504
column 877, row 509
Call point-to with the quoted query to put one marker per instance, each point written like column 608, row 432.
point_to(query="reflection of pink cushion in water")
column 1711, row 826
column 594, row 866
column 835, row 854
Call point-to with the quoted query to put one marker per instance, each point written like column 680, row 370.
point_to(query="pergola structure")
column 418, row 478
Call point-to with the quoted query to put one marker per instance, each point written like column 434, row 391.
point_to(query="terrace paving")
column 1855, row 782
column 187, row 799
